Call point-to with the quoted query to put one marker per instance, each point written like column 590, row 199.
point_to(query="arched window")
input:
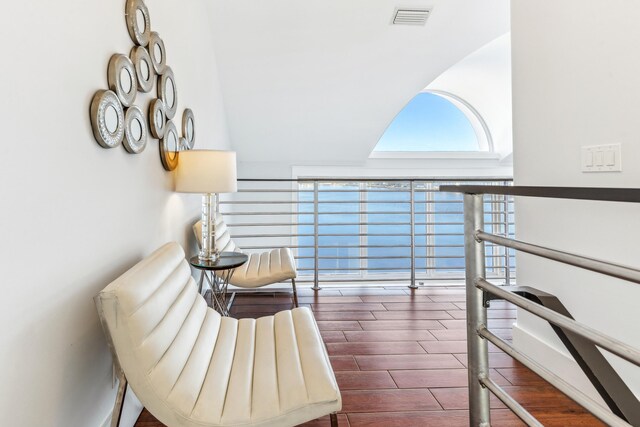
column 436, row 122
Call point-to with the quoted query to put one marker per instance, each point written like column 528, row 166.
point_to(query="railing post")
column 477, row 347
column 413, row 285
column 316, row 273
column 507, row 267
column 363, row 216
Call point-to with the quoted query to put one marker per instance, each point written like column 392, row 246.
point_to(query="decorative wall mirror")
column 189, row 128
column 138, row 22
column 157, row 118
column 135, row 131
column 157, row 53
column 169, row 147
column 168, row 93
column 107, row 118
column 145, row 76
column 116, row 120
column 121, row 76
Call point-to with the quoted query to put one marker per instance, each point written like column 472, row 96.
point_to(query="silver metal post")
column 316, row 243
column 364, row 229
column 507, row 267
column 116, row 414
column 430, row 230
column 477, row 347
column 413, row 285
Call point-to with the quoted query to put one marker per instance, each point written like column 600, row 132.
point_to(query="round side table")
column 224, row 267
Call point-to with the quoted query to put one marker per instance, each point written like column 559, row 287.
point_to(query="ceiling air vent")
column 411, row 16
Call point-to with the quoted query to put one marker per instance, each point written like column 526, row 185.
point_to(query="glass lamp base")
column 212, row 257
column 208, row 251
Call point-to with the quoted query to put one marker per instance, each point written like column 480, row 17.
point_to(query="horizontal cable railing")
column 355, row 230
column 480, row 291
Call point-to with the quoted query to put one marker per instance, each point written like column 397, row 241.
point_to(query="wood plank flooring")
column 399, row 357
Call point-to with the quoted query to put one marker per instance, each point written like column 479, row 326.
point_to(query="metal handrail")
column 601, row 194
column 258, row 247
column 479, row 289
column 510, row 402
column 576, row 395
column 591, row 264
column 311, row 180
column 613, row 345
column 403, row 218
column 331, row 224
column 247, row 236
column 267, row 213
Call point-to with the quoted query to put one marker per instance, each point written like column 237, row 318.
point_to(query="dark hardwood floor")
column 399, row 358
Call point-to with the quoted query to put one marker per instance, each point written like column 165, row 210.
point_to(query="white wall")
column 576, row 81
column 412, row 168
column 73, row 215
column 483, row 79
column 318, row 81
column 379, row 168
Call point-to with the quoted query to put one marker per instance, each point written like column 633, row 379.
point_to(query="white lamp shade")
column 206, row 171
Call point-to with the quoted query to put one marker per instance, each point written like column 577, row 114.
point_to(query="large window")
column 364, row 230
column 436, row 122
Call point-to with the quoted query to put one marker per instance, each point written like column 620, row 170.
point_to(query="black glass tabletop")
column 227, row 261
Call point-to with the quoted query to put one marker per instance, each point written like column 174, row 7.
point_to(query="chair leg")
column 295, row 293
column 334, row 419
column 119, row 404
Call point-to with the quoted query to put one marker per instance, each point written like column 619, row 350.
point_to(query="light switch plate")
column 602, row 158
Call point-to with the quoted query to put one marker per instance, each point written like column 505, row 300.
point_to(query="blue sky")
column 429, row 123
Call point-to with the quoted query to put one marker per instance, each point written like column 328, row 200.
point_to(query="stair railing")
column 480, row 292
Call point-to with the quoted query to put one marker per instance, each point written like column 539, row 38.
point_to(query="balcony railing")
column 367, row 230
column 623, row 408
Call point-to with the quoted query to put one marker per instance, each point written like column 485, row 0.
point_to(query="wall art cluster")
column 116, row 119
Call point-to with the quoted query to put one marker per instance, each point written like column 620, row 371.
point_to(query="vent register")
column 413, row 16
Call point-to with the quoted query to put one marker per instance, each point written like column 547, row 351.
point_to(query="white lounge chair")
column 191, row 367
column 264, row 268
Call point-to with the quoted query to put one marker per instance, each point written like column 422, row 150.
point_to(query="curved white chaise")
column 191, row 367
column 263, row 268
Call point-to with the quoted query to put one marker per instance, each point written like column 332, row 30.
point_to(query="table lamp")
column 207, row 172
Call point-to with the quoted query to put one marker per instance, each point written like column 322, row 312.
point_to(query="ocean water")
column 386, row 214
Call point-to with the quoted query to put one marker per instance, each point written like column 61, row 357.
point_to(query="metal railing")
column 373, row 230
column 480, row 290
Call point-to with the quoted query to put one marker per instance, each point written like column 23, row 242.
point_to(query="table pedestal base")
column 218, row 285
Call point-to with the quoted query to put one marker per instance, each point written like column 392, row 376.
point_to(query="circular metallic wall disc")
column 145, row 74
column 138, row 22
column 157, row 118
column 121, row 75
column 135, row 131
column 157, row 52
column 168, row 92
column 107, row 119
column 170, row 147
column 189, row 128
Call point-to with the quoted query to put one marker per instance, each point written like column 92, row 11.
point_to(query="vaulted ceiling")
column 318, row 81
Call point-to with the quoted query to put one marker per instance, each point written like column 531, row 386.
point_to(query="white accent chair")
column 264, row 268
column 191, row 367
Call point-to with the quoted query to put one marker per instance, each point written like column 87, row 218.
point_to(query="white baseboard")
column 130, row 412
column 556, row 361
